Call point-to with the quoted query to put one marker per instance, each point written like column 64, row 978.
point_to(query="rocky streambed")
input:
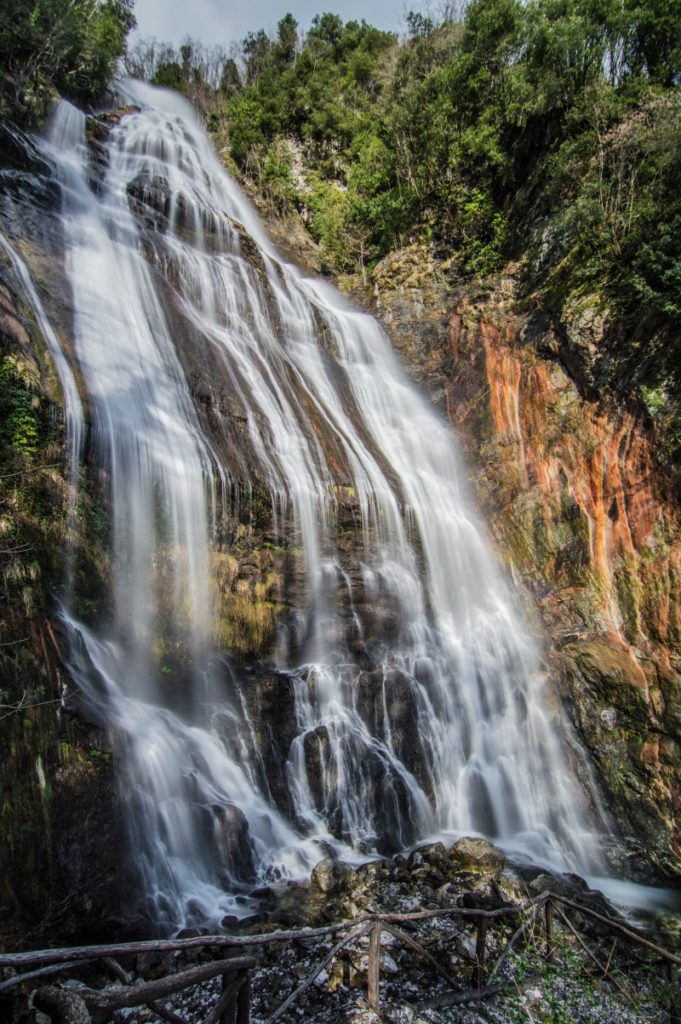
column 594, row 975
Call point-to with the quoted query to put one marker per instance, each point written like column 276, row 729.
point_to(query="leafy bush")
column 19, row 423
column 67, row 46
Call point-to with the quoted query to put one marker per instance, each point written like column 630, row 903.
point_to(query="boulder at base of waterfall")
column 332, row 876
column 477, row 856
column 335, row 893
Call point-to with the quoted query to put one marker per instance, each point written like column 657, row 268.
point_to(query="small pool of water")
column 656, row 909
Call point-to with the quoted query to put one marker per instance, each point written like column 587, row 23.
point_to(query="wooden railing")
column 232, row 1006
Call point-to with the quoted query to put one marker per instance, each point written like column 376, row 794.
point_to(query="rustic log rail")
column 69, row 1006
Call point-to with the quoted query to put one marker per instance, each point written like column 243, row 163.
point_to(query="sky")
column 225, row 21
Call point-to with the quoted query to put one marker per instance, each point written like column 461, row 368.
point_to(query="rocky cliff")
column 63, row 836
column 580, row 512
column 567, row 484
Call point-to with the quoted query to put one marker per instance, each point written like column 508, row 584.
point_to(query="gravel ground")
column 565, row 993
column 472, row 874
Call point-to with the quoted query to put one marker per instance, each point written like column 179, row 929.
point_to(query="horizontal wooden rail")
column 49, row 956
column 41, row 972
column 138, row 995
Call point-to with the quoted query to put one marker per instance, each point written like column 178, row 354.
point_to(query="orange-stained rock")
column 650, row 753
column 581, row 513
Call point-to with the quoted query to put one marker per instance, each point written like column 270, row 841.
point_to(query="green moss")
column 259, row 507
column 269, row 545
column 518, row 537
column 101, row 759
column 248, row 624
column 629, row 592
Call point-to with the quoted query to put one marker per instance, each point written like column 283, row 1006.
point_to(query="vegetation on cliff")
column 489, row 141
column 549, row 130
column 65, row 47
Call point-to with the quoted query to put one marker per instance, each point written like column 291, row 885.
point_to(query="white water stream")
column 322, row 403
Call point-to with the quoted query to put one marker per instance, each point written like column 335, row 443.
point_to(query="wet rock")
column 391, row 797
column 421, row 874
column 390, row 694
column 477, row 856
column 248, row 248
column 620, row 717
column 150, row 197
column 536, row 880
column 271, row 709
column 485, row 900
column 434, row 854
column 330, row 876
column 232, row 841
column 265, row 894
column 415, row 860
column 548, row 477
column 251, row 923
column 370, row 872
column 319, row 762
column 511, row 887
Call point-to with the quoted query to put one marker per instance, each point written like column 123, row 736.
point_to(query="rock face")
column 571, row 495
column 63, row 851
column 579, row 512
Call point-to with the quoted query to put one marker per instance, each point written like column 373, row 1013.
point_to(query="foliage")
column 620, row 208
column 67, row 46
column 19, row 423
column 277, row 176
column 474, row 128
column 326, row 95
column 479, row 124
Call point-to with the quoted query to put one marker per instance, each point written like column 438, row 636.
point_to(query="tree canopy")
column 473, row 130
column 543, row 131
column 65, row 46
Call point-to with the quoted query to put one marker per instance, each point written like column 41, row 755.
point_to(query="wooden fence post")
column 243, row 1002
column 226, row 1006
column 674, row 995
column 548, row 910
column 373, row 980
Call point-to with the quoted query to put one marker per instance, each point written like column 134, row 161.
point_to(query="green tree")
column 257, row 47
column 287, row 41
column 230, row 79
column 171, row 75
column 68, row 46
column 655, row 41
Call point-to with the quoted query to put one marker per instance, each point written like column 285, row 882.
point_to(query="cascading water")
column 417, row 704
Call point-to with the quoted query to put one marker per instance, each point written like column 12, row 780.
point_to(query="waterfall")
column 417, row 707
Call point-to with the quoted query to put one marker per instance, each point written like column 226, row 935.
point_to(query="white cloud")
column 224, row 21
column 207, row 20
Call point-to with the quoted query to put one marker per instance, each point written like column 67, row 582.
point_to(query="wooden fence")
column 73, row 1006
